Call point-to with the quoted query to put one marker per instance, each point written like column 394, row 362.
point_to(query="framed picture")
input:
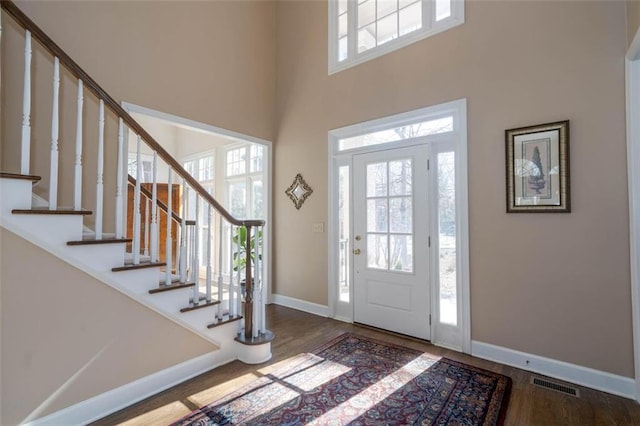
column 538, row 169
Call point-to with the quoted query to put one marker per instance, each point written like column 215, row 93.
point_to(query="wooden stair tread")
column 172, row 286
column 89, row 241
column 139, row 266
column 225, row 320
column 203, row 304
column 45, row 210
column 32, row 178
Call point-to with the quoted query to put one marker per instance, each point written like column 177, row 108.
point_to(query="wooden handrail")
column 13, row 10
column 144, row 191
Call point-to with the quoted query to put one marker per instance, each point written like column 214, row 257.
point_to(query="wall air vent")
column 544, row 383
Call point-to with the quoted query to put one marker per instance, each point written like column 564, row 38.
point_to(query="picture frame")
column 537, row 166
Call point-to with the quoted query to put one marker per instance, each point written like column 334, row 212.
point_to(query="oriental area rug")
column 355, row 380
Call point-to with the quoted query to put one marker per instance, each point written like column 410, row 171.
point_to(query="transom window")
column 360, row 30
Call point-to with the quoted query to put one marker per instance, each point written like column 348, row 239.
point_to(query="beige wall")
column 633, row 19
column 212, row 62
column 556, row 285
column 53, row 324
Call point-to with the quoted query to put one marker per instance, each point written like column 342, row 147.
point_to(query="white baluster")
column 195, row 265
column 232, row 305
column 77, row 184
column 154, row 210
column 220, row 294
column 183, row 233
column 119, row 181
column 99, row 184
column 169, row 241
column 208, row 253
column 55, row 122
column 136, row 205
column 26, row 109
column 146, row 225
column 238, row 297
column 263, row 313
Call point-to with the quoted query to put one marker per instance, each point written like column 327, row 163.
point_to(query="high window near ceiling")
column 360, row 30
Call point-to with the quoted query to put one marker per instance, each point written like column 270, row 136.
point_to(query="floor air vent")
column 544, row 383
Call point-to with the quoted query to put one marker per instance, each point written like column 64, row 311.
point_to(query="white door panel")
column 391, row 228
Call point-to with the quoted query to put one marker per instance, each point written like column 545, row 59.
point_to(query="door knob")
column 356, row 251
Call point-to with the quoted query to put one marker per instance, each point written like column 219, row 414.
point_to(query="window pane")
column 257, row 155
column 447, row 237
column 342, row 25
column 343, row 233
column 387, row 28
column 238, row 197
column 400, row 180
column 236, row 161
column 401, row 215
column 443, row 9
column 425, row 128
column 377, row 180
column 377, row 251
column 366, row 13
column 403, row 3
column 343, row 47
column 342, row 6
column 256, row 197
column 367, row 38
column 206, row 168
column 401, row 253
column 411, row 18
column 386, row 7
column 377, row 215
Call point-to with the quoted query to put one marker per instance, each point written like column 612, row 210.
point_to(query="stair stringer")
column 97, row 261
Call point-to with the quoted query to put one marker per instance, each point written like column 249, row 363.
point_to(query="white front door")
column 391, row 240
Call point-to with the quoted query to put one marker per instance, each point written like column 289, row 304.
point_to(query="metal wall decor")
column 298, row 191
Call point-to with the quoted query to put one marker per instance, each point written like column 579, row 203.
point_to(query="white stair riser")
column 14, row 194
column 53, row 229
column 101, row 257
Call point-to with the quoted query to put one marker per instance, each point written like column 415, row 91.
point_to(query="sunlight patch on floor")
column 306, row 371
column 216, row 392
column 359, row 404
column 168, row 412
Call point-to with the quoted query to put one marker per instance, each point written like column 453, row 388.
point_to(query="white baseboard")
column 116, row 399
column 595, row 379
column 301, row 305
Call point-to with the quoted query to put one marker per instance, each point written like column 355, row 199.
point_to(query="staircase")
column 219, row 307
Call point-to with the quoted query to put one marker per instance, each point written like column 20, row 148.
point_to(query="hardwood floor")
column 298, row 332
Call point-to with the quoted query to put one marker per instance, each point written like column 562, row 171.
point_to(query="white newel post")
column 119, row 182
column 55, row 123
column 136, row 205
column 263, row 313
column 183, row 234
column 154, row 210
column 26, row 108
column 77, row 183
column 99, row 184
column 169, row 241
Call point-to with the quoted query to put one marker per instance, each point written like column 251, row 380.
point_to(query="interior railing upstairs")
column 219, row 253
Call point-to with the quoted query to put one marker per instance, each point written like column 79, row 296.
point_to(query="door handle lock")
column 356, row 251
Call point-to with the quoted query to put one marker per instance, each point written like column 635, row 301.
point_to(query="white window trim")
column 457, row 18
column 440, row 333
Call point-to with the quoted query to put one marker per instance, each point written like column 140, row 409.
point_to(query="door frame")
column 338, row 158
column 632, row 64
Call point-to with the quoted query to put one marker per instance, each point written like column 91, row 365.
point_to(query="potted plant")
column 240, row 253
